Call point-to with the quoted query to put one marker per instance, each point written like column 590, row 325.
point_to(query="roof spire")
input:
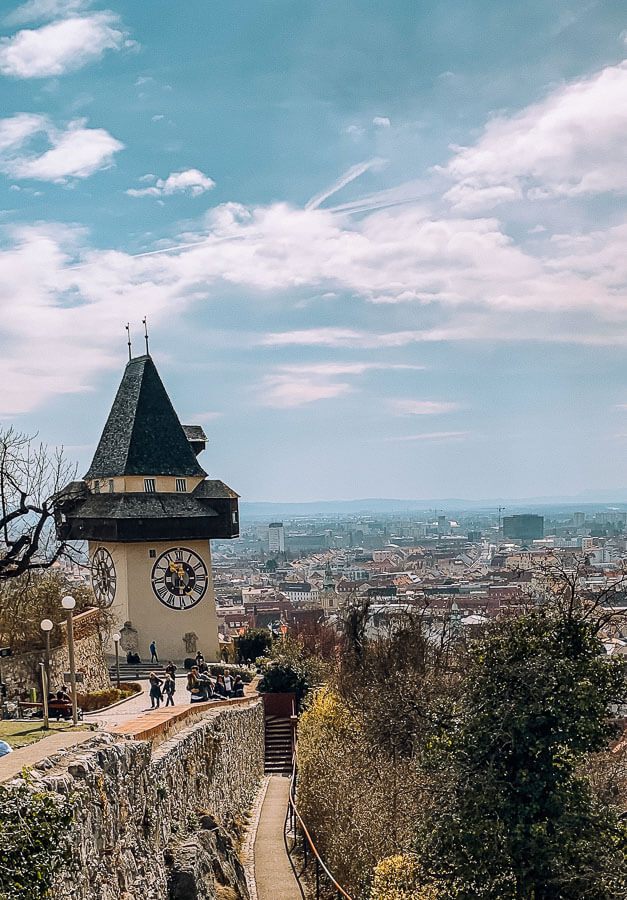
column 144, row 323
column 128, row 333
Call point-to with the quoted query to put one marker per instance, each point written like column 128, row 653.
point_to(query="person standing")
column 171, row 669
column 169, row 687
column 153, row 653
column 155, row 691
column 228, row 683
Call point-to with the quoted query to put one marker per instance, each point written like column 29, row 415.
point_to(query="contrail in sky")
column 353, row 173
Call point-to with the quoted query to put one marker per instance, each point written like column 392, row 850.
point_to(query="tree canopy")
column 514, row 818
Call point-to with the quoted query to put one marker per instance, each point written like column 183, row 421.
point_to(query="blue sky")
column 382, row 248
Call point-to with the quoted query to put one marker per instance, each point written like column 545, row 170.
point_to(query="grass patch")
column 20, row 734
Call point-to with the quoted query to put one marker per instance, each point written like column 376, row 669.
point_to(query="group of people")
column 202, row 687
column 60, row 704
column 200, row 684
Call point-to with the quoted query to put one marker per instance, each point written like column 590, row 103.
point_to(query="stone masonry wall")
column 134, row 807
column 20, row 673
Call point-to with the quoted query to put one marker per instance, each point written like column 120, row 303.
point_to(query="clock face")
column 179, row 578
column 103, row 576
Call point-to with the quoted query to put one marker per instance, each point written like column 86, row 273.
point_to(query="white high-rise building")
column 276, row 537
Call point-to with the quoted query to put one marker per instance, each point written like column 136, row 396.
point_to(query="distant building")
column 276, row 537
column 523, row 528
column 296, row 543
column 579, row 519
column 299, row 591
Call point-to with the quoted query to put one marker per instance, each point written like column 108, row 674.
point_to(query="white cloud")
column 14, row 132
column 289, row 391
column 60, row 47
column 348, row 176
column 451, row 278
column 421, row 407
column 346, row 368
column 430, row 436
column 45, row 10
column 192, row 182
column 75, row 152
column 355, row 131
column 381, row 122
column 297, row 385
column 570, row 144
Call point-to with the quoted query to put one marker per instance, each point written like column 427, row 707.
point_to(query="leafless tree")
column 31, row 477
column 563, row 582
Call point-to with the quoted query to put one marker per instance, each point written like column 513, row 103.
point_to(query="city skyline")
column 399, row 238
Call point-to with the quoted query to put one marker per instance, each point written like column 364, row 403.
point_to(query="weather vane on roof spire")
column 146, row 335
column 128, row 332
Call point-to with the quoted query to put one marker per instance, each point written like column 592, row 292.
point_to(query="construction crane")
column 501, row 509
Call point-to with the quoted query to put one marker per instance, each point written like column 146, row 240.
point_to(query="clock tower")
column 148, row 512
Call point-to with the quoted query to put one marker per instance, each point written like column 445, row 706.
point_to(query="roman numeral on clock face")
column 179, row 578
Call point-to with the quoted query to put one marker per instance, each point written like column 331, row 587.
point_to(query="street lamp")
column 116, row 641
column 68, row 603
column 46, row 626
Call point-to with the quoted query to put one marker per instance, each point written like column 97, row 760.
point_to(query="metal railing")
column 294, row 823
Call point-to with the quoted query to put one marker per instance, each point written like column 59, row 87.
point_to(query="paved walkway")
column 13, row 763
column 273, row 872
column 129, row 709
column 111, row 719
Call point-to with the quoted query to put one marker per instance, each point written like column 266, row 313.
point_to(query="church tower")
column 148, row 512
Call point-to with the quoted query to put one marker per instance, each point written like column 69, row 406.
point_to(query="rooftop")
column 143, row 434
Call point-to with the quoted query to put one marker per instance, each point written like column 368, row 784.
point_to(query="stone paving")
column 247, row 853
column 273, row 871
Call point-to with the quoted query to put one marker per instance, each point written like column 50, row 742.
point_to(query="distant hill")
column 376, row 505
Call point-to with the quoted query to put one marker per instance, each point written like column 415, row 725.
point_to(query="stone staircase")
column 278, row 743
column 142, row 670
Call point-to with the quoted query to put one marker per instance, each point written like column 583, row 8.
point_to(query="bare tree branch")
column 31, row 478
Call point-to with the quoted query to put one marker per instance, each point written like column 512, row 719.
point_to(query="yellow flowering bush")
column 398, row 878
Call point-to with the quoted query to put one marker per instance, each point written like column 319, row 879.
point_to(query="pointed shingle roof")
column 143, row 435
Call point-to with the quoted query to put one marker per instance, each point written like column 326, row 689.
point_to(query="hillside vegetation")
column 435, row 769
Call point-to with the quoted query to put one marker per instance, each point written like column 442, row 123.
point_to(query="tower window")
column 152, row 554
column 234, row 517
column 111, row 485
column 150, row 485
column 96, row 487
column 181, row 485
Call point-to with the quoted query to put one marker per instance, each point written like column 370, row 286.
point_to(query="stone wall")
column 21, row 673
column 138, row 812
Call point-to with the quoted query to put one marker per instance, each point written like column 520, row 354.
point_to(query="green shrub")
column 34, row 841
column 253, row 643
column 282, row 676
